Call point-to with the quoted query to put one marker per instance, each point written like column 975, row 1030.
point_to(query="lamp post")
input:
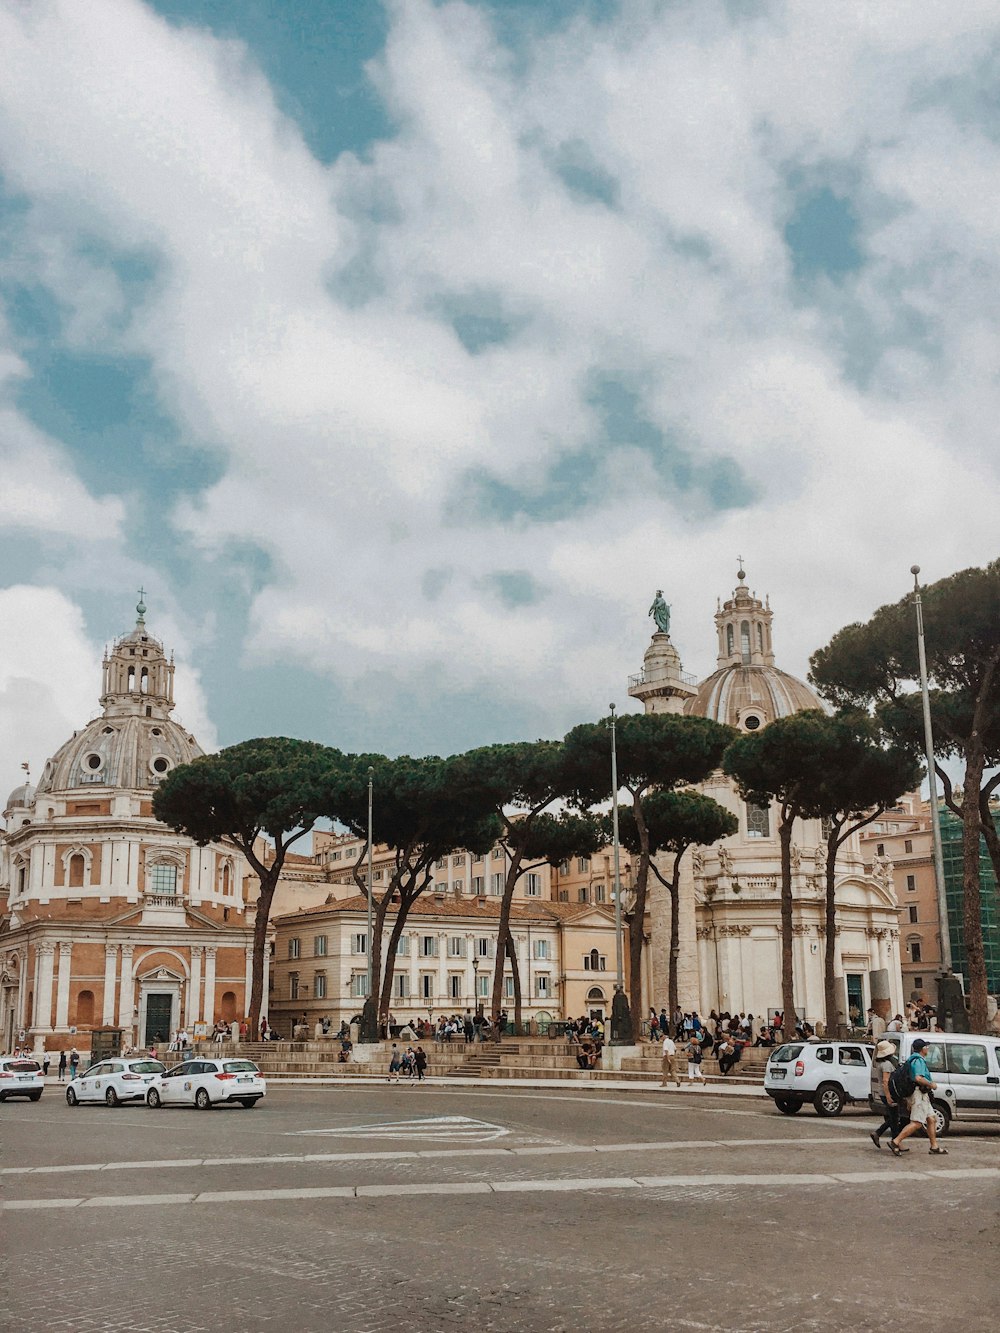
column 949, row 992
column 369, row 1014
column 621, row 1017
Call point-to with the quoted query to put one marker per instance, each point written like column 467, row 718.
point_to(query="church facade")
column 112, row 919
column 730, row 893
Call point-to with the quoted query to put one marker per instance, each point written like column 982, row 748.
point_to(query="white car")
column 826, row 1073
column 115, row 1080
column 208, row 1083
column 20, row 1076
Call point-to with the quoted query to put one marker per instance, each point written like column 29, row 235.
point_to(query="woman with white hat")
column 886, row 1061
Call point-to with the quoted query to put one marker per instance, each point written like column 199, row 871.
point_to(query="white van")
column 966, row 1069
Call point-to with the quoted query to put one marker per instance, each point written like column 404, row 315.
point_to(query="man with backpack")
column 912, row 1081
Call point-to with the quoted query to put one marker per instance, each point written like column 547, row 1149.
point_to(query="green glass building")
column 951, row 847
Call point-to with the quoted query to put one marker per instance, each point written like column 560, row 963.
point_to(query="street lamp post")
column 950, row 998
column 369, row 1013
column 621, row 1017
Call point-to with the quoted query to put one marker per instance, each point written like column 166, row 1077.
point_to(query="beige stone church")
column 730, row 939
column 111, row 918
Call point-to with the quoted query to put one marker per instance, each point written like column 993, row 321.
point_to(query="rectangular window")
column 599, row 894
column 583, row 895
column 483, row 986
column 478, row 857
column 563, row 895
column 582, row 863
column 440, row 887
column 918, row 983
column 403, row 946
column 319, row 946
column 911, row 884
column 534, row 885
column 826, row 827
column 376, row 875
column 915, row 951
column 542, row 986
column 880, row 848
column 319, row 985
column 966, row 1057
column 359, row 985
column 497, row 853
column 508, row 988
column 455, row 986
column 359, row 944
column 907, row 844
column 458, row 886
column 293, row 985
column 456, row 946
column 586, row 962
column 913, row 910
column 478, row 885
column 401, row 986
column 335, row 856
column 427, row 985
column 564, row 867
column 496, row 884
column 162, row 878
column 758, row 821
column 484, row 947
column 542, row 949
column 458, row 860
column 294, row 948
column 428, row 946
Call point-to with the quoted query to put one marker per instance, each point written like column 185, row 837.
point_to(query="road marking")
column 425, row 1127
column 579, row 1184
column 405, row 1154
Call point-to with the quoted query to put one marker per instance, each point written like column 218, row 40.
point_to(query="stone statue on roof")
column 660, row 612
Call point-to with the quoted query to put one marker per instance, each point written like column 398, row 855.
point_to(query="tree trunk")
column 384, row 986
column 379, row 910
column 787, row 981
column 830, row 950
column 503, row 932
column 972, row 921
column 516, row 978
column 264, row 898
column 636, row 920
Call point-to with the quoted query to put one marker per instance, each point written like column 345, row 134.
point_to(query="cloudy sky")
column 402, row 350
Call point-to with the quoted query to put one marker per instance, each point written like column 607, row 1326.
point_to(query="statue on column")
column 660, row 612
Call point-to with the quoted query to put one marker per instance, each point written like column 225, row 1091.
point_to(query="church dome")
column 21, row 798
column 751, row 696
column 747, row 690
column 135, row 742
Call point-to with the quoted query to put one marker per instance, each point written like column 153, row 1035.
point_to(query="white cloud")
column 348, row 430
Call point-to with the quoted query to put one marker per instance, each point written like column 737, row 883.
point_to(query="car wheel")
column 829, row 1099
column 788, row 1105
column 248, row 1103
column 153, row 1099
column 34, row 1096
column 111, row 1097
column 942, row 1119
column 202, row 1100
column 71, row 1098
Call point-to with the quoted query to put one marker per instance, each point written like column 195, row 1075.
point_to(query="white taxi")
column 208, row 1083
column 20, row 1076
column 114, row 1081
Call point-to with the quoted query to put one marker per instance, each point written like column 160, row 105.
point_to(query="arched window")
column 85, row 1008
column 226, row 879
column 729, row 640
column 77, row 866
column 228, row 1006
column 595, row 995
column 144, row 681
column 595, row 961
column 760, row 637
column 163, row 879
column 131, row 678
column 745, row 640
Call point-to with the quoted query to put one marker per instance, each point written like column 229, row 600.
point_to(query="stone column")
column 22, row 992
column 248, row 979
column 62, row 985
column 43, row 990
column 194, row 1010
column 126, row 990
column 110, row 977
column 210, row 953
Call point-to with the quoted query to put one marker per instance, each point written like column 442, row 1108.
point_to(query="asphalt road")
column 358, row 1209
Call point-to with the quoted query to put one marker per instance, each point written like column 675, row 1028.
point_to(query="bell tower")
column 744, row 627
column 138, row 679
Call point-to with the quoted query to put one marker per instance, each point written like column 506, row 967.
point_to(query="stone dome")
column 126, row 752
column 135, row 742
column 21, row 798
column 751, row 696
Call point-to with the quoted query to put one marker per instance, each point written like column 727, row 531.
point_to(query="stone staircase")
column 520, row 1058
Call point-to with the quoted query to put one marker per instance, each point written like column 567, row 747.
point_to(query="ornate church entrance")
column 159, row 1012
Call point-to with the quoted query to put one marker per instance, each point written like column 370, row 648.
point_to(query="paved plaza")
column 500, row 1209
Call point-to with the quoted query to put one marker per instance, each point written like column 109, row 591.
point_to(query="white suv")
column 826, row 1073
